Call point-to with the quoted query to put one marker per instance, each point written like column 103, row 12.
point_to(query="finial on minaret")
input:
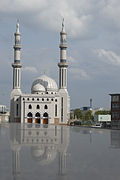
column 17, row 26
column 63, row 26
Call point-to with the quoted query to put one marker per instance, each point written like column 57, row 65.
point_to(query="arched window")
column 45, row 114
column 47, row 99
column 29, row 114
column 28, row 99
column 37, row 99
column 45, row 119
column 29, row 107
column 42, row 99
column 38, row 107
column 51, row 99
column 29, row 118
column 45, row 107
column 32, row 99
column 37, row 115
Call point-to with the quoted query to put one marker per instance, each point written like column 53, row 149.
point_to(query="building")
column 115, row 110
column 47, row 104
column 3, row 109
column 4, row 114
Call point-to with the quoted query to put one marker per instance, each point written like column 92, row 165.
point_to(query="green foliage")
column 102, row 112
column 83, row 115
column 88, row 115
column 78, row 114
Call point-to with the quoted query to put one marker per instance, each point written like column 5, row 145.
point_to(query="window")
column 115, row 106
column 45, row 115
column 55, row 109
column 29, row 107
column 62, row 109
column 115, row 115
column 38, row 107
column 45, row 107
column 47, row 99
column 51, row 92
column 55, row 100
column 16, row 109
column 23, row 99
column 37, row 114
column 33, row 99
column 29, row 114
column 42, row 99
column 51, row 99
column 28, row 99
column 37, row 99
column 115, row 98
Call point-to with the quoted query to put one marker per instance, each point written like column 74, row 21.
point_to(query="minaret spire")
column 63, row 59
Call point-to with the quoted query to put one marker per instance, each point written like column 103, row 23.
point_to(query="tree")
column 78, row 114
column 104, row 112
column 88, row 115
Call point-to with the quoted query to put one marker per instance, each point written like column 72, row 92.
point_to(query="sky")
column 93, row 54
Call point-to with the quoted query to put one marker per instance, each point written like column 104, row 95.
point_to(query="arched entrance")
column 45, row 118
column 29, row 117
column 37, row 118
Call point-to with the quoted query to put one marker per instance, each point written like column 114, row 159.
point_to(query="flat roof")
column 115, row 94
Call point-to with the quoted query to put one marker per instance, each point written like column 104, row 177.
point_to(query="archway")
column 29, row 117
column 37, row 118
column 45, row 118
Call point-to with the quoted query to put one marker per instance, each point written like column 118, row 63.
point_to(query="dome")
column 48, row 83
column 37, row 88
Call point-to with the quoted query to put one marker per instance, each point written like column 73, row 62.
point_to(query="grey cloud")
column 108, row 56
column 82, row 17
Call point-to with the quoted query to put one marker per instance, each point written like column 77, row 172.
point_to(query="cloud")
column 108, row 56
column 30, row 69
column 82, row 17
column 79, row 73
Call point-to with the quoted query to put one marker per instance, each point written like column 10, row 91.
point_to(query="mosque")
column 47, row 104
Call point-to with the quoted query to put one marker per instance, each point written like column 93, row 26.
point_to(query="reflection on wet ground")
column 58, row 152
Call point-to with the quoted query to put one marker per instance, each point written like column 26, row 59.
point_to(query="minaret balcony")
column 16, row 65
column 63, row 45
column 63, row 64
column 17, row 46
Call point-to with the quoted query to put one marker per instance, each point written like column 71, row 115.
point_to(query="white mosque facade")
column 47, row 104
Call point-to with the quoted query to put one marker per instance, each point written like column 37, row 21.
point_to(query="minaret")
column 16, row 65
column 63, row 63
column 16, row 91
